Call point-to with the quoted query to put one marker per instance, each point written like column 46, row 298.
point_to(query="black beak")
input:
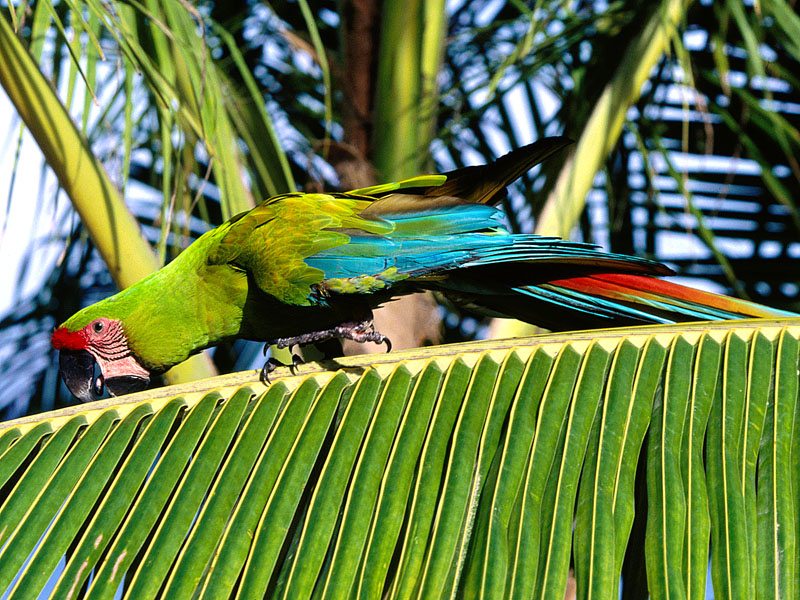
column 77, row 369
column 118, row 386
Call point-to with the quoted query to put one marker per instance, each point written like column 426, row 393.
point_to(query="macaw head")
column 99, row 345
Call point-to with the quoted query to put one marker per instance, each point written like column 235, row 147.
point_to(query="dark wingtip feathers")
column 486, row 184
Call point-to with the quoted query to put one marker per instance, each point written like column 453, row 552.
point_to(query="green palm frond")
column 479, row 468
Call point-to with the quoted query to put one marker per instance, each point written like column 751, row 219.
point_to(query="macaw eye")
column 97, row 326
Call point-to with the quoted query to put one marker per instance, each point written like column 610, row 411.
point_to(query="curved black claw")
column 297, row 360
column 270, row 365
column 273, row 363
column 268, row 368
column 388, row 343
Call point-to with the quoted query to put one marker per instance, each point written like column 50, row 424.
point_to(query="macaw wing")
column 300, row 248
column 288, row 242
column 273, row 241
column 428, row 248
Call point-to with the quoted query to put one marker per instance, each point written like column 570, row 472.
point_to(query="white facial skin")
column 109, row 347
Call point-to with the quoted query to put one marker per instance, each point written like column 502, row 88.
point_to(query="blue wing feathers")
column 447, row 221
column 448, row 238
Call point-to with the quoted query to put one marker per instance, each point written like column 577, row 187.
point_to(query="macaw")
column 301, row 268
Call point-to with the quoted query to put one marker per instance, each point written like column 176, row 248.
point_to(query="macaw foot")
column 361, row 331
column 273, row 363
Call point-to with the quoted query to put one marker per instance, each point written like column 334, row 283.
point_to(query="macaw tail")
column 616, row 299
column 444, row 233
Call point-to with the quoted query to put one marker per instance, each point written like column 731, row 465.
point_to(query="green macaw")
column 301, row 268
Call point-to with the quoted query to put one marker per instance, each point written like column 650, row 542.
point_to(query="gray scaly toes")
column 362, row 331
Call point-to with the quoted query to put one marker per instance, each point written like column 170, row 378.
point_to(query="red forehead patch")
column 64, row 339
